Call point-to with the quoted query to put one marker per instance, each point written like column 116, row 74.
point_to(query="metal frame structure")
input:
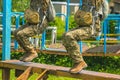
column 105, row 28
column 6, row 21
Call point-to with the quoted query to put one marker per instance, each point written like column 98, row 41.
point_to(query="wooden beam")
column 58, row 70
column 25, row 75
column 42, row 74
column 84, row 54
column 5, row 74
column 64, row 53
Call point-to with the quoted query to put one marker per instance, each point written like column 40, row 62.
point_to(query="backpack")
column 89, row 10
column 31, row 16
column 51, row 12
column 83, row 18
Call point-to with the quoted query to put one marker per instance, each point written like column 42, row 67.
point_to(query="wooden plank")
column 84, row 54
column 42, row 75
column 25, row 75
column 5, row 74
column 64, row 53
column 100, row 49
column 58, row 70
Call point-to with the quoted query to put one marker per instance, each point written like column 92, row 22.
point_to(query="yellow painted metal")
column 111, row 35
column 101, row 41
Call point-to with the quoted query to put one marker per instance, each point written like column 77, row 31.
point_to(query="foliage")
column 0, row 5
column 112, row 25
column 47, row 59
column 51, row 77
column 19, row 5
column 60, row 24
column 72, row 23
column 104, row 64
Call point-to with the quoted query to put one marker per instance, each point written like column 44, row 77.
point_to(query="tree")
column 0, row 5
column 20, row 5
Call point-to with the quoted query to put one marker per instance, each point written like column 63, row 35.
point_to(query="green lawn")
column 33, row 77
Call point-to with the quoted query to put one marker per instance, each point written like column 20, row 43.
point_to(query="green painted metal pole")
column 6, row 21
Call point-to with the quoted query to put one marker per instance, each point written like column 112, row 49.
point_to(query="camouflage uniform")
column 23, row 33
column 71, row 38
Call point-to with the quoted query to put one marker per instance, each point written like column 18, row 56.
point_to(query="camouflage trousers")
column 23, row 33
column 70, row 41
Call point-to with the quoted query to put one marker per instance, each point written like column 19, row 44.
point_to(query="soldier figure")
column 36, row 23
column 88, row 20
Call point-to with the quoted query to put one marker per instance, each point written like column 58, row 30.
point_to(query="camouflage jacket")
column 96, row 7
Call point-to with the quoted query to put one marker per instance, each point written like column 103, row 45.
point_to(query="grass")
column 35, row 75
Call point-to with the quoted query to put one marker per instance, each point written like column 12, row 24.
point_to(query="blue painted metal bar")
column 80, row 4
column 66, row 25
column 44, row 33
column 67, row 17
column 81, row 45
column 17, row 26
column 17, row 17
column 43, row 40
column 113, row 17
column 15, row 13
column 105, row 32
column 118, row 29
column 23, row 20
column 6, row 29
column 60, row 14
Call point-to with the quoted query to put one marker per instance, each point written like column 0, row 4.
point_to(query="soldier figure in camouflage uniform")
column 33, row 15
column 70, row 39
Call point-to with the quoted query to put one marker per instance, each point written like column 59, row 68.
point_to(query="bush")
column 60, row 24
column 112, row 25
column 72, row 23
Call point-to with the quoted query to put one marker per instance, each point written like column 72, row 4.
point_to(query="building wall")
column 61, row 7
column 75, row 1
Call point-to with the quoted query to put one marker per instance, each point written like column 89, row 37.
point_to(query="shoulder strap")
column 45, row 5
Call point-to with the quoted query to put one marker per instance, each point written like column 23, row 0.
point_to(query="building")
column 61, row 7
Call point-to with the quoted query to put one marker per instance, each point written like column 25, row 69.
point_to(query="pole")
column 6, row 21
column 67, row 17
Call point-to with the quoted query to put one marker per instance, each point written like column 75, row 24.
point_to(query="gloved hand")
column 32, row 16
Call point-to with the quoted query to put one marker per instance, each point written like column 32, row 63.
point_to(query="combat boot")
column 29, row 56
column 78, row 67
